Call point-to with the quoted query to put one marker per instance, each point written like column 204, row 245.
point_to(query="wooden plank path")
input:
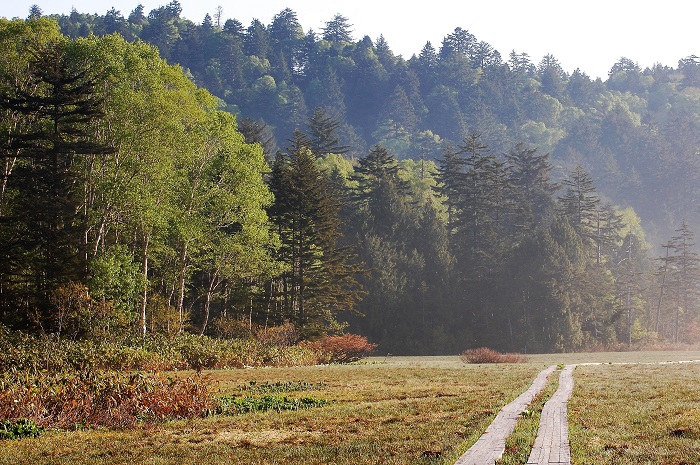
column 552, row 443
column 491, row 445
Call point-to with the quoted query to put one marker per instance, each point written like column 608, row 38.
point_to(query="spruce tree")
column 323, row 129
column 48, row 249
column 529, row 172
column 320, row 277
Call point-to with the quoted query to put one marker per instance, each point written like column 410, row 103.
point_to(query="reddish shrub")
column 343, row 349
column 101, row 399
column 486, row 355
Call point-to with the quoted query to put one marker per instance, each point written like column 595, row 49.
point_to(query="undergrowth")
column 486, row 355
column 18, row 429
column 89, row 399
column 279, row 387
column 23, row 352
column 231, row 405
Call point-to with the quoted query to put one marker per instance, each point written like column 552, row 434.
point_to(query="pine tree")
column 338, row 30
column 684, row 276
column 529, row 172
column 320, row 279
column 48, row 247
column 484, row 209
column 380, row 192
column 323, row 133
column 580, row 203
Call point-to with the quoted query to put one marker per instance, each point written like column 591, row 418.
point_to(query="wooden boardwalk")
column 490, row 446
column 552, row 443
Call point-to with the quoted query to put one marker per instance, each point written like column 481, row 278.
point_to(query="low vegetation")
column 418, row 411
column 54, row 382
column 92, row 399
column 18, row 429
column 635, row 414
column 486, row 355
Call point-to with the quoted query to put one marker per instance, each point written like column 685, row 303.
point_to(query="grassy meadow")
column 407, row 410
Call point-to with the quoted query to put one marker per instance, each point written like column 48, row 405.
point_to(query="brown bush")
column 486, row 355
column 285, row 335
column 101, row 399
column 342, row 349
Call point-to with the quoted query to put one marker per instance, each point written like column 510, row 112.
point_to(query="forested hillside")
column 636, row 133
column 453, row 199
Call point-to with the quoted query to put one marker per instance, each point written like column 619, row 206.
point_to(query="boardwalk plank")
column 491, row 445
column 552, row 442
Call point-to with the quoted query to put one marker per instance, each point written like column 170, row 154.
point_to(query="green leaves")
column 19, row 429
column 229, row 405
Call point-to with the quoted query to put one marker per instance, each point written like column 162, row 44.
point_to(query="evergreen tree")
column 323, row 133
column 379, row 191
column 47, row 248
column 257, row 40
column 579, row 203
column 320, row 278
column 338, row 30
column 529, row 172
column 683, row 279
column 485, row 204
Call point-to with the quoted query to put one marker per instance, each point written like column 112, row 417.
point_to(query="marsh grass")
column 404, row 410
column 413, row 413
column 635, row 414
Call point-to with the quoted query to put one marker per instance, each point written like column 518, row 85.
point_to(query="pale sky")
column 591, row 35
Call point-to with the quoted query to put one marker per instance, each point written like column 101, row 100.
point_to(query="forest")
column 162, row 176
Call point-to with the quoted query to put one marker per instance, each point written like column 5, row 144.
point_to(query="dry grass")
column 486, row 355
column 407, row 410
column 635, row 414
column 422, row 411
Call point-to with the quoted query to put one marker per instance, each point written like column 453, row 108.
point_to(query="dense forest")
column 455, row 199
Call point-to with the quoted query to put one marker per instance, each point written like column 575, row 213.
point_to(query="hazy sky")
column 590, row 34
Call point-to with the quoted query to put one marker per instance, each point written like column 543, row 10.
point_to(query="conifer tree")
column 484, row 209
column 320, row 279
column 323, row 129
column 529, row 172
column 684, row 275
column 580, row 203
column 48, row 247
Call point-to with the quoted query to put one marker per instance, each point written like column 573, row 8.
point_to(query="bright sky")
column 591, row 35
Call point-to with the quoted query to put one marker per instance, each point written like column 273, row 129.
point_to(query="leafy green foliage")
column 280, row 386
column 18, row 429
column 229, row 405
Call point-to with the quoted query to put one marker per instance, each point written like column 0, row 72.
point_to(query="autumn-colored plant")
column 345, row 348
column 486, row 355
column 284, row 335
column 100, row 399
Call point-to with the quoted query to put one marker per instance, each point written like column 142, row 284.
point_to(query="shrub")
column 486, row 355
column 284, row 335
column 22, row 428
column 100, row 398
column 343, row 349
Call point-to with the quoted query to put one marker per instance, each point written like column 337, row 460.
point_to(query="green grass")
column 635, row 414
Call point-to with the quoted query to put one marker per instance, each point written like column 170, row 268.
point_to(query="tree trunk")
column 144, row 295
